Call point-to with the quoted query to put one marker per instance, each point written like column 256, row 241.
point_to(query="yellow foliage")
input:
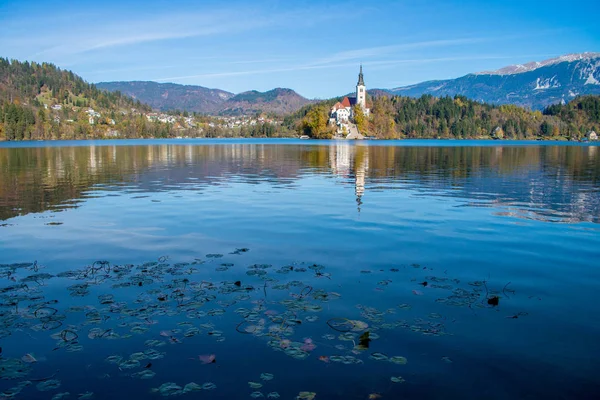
column 314, row 123
column 359, row 119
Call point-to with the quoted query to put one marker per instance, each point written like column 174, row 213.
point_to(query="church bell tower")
column 361, row 91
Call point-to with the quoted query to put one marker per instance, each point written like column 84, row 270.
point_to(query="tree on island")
column 360, row 119
column 314, row 123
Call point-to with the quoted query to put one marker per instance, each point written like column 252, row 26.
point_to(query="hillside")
column 170, row 96
column 42, row 101
column 534, row 85
column 583, row 111
column 278, row 101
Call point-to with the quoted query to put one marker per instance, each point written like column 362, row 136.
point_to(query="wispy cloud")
column 248, row 72
column 149, row 30
column 370, row 52
column 216, row 61
column 93, row 35
column 337, row 60
column 292, row 68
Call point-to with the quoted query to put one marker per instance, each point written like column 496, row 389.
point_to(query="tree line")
column 457, row 117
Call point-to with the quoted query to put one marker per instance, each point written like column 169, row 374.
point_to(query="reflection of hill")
column 548, row 182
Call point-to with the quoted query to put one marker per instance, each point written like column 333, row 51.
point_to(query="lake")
column 299, row 269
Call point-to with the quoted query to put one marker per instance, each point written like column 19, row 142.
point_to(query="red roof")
column 346, row 102
column 337, row 106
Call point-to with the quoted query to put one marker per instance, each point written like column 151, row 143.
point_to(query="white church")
column 342, row 113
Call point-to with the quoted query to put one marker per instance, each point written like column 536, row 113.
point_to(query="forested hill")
column 171, row 96
column 460, row 118
column 42, row 101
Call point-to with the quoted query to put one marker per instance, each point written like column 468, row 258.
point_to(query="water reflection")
column 351, row 163
column 554, row 183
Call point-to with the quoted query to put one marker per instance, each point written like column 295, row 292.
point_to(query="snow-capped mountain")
column 535, row 84
column 532, row 66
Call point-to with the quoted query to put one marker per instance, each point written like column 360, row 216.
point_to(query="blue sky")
column 312, row 47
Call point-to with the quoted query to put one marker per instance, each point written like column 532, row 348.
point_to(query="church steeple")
column 361, row 91
column 360, row 77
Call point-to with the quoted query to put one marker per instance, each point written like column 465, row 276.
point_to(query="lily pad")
column 169, row 389
column 50, row 384
column 145, row 374
column 192, row 387
column 379, row 357
column 306, row 396
column 13, row 368
column 266, row 376
column 398, row 360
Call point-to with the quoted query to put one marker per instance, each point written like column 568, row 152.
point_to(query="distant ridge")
column 276, row 101
column 533, row 65
column 534, row 85
column 171, row 96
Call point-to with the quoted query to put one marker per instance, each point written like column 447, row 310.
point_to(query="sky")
column 314, row 47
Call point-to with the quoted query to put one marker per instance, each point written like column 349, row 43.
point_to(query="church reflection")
column 351, row 162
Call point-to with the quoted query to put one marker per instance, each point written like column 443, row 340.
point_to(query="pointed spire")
column 360, row 77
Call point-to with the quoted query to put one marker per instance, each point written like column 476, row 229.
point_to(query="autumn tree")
column 382, row 124
column 314, row 123
column 360, row 119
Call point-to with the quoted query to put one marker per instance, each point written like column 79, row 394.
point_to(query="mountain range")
column 171, row 96
column 533, row 85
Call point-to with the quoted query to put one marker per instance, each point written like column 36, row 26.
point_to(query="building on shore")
column 342, row 112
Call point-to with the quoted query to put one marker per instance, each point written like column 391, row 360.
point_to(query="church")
column 342, row 113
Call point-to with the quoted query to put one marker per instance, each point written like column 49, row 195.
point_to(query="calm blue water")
column 478, row 262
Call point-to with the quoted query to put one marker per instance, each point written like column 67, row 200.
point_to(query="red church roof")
column 346, row 102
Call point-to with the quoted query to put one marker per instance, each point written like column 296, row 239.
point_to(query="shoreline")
column 424, row 142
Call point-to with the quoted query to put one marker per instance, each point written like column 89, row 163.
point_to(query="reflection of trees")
column 563, row 178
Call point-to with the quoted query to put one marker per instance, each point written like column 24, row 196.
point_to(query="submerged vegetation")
column 160, row 307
